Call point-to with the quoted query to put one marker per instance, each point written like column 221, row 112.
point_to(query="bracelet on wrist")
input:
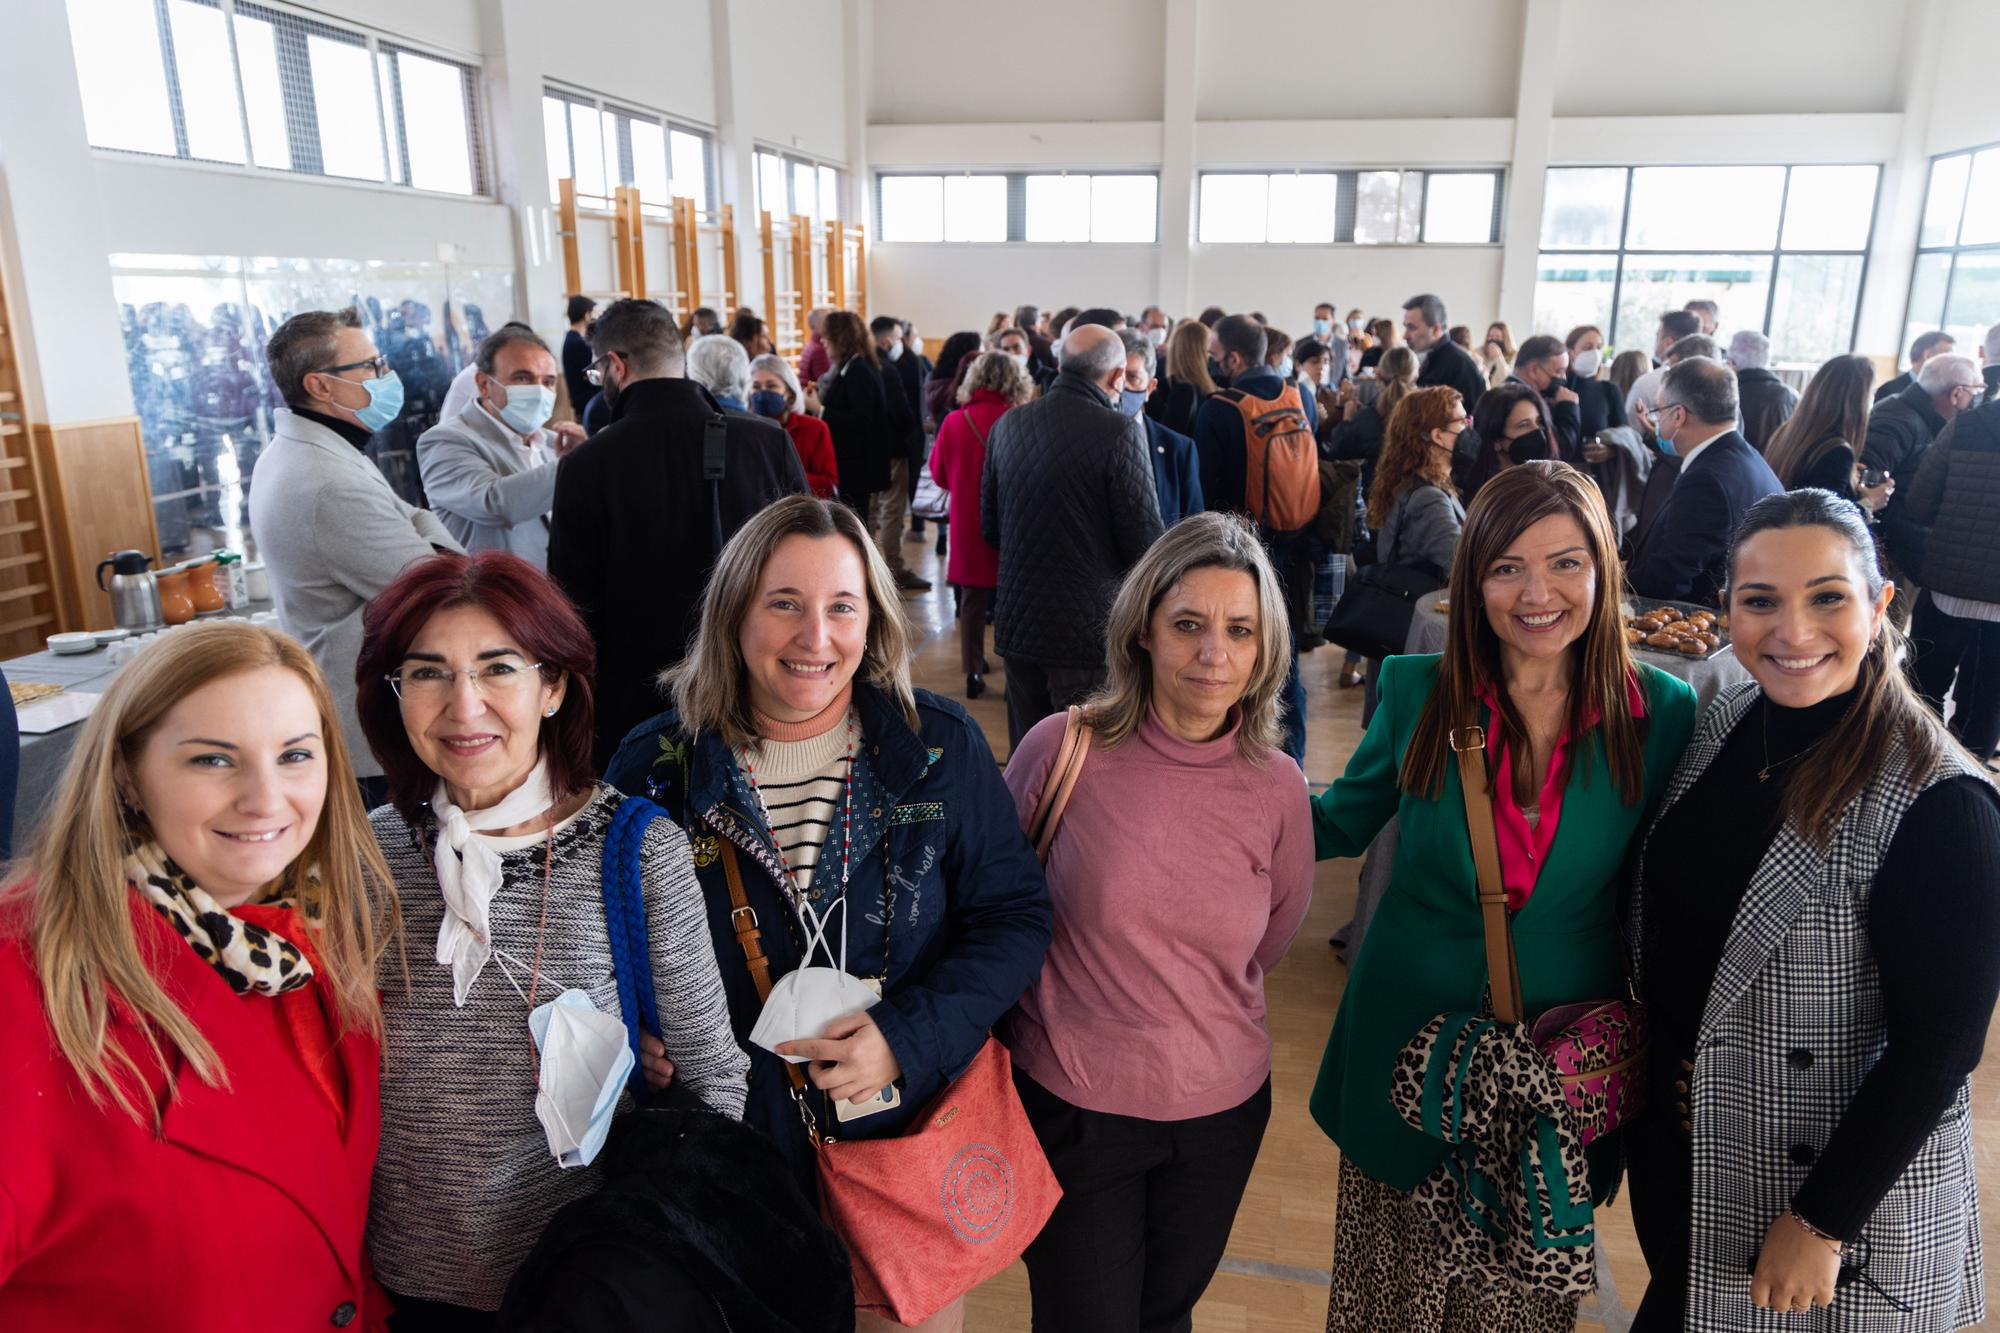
column 1838, row 1244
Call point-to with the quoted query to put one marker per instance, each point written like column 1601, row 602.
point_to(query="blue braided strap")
column 625, row 923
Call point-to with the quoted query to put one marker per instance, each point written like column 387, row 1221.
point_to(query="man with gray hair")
column 1425, row 329
column 719, row 364
column 1681, row 556
column 331, row 531
column 1176, row 468
column 490, row 471
column 1767, row 400
column 1067, row 499
column 1900, row 430
column 643, row 507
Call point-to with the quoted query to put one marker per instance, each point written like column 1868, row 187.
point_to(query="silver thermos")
column 135, row 598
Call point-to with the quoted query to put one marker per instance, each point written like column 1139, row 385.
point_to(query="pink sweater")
column 1179, row 876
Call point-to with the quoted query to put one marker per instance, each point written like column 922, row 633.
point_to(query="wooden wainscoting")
column 95, row 491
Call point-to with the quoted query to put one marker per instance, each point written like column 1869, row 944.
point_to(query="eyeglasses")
column 594, row 372
column 429, row 683
column 378, row 366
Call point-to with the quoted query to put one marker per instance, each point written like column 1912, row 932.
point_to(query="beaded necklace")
column 846, row 819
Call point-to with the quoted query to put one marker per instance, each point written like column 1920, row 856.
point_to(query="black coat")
column 1173, row 405
column 1449, row 364
column 1681, row 555
column 1067, row 499
column 631, row 532
column 1900, row 429
column 910, row 372
column 1599, row 404
column 1890, row 388
column 1766, row 403
column 870, row 429
column 1955, row 503
column 699, row 1228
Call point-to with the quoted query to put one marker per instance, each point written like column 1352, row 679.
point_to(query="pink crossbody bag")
column 1598, row 1047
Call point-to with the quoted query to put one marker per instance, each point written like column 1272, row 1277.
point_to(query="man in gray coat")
column 331, row 531
column 1067, row 498
column 490, row 471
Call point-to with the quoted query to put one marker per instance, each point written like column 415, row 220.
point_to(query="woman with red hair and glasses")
column 474, row 693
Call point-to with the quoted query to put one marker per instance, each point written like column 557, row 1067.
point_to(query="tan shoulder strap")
column 1060, row 783
column 750, row 938
column 1502, row 970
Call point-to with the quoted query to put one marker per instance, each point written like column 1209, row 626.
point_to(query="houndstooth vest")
column 1792, row 1026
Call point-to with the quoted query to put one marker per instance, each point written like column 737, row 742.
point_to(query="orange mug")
column 176, row 601
column 203, row 589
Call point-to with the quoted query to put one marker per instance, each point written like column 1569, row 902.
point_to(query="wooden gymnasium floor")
column 1273, row 1279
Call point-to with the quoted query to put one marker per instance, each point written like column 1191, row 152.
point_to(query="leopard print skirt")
column 1388, row 1273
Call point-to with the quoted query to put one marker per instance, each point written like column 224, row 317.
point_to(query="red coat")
column 244, row 1215
column 956, row 461
column 815, row 445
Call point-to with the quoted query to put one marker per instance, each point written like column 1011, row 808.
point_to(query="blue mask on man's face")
column 385, row 401
column 1131, row 401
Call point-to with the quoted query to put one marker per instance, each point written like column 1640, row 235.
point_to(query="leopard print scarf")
column 250, row 958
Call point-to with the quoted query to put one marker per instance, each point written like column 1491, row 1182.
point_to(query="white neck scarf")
column 468, row 873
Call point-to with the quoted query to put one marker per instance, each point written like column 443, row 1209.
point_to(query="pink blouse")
column 1524, row 847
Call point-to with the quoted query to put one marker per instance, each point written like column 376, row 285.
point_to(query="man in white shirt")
column 1674, row 326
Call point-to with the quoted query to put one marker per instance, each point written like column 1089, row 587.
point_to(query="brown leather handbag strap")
column 1502, row 970
column 750, row 938
column 1060, row 783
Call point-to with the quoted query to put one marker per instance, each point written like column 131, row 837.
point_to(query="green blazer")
column 1425, row 952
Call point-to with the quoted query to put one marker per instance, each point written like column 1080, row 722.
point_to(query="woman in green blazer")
column 1580, row 744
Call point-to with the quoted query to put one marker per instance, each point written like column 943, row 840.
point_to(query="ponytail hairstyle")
column 1887, row 715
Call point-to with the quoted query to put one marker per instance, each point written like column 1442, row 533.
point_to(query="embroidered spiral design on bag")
column 978, row 1192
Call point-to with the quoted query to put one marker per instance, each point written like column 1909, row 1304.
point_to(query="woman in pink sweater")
column 1183, row 866
column 992, row 385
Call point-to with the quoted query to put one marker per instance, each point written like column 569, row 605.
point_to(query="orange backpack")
column 1281, row 462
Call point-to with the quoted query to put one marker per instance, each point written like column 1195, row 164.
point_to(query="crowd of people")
column 575, row 916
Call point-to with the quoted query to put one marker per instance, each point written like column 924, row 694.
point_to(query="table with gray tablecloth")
column 44, row 757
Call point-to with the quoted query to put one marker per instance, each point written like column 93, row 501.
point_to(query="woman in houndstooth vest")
column 1817, row 934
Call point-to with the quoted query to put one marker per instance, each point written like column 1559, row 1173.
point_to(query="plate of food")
column 1676, row 629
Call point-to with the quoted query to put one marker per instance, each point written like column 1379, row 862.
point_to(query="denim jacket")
column 950, row 909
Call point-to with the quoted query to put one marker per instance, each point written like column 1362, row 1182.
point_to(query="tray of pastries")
column 26, row 692
column 1676, row 629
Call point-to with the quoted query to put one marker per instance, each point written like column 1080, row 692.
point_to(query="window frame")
column 1347, row 197
column 620, row 147
column 792, row 161
column 1777, row 251
column 1017, row 199
column 1956, row 250
column 290, row 28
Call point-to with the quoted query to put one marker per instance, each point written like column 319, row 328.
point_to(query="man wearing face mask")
column 330, row 529
column 1176, row 474
column 490, row 471
column 1325, row 320
column 1154, row 324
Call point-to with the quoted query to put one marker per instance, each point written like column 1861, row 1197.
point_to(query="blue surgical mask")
column 529, row 407
column 1284, row 368
column 1322, row 327
column 1131, row 402
column 768, row 403
column 385, row 401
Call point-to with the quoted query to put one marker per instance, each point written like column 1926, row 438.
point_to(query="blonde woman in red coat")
column 994, row 383
column 187, row 966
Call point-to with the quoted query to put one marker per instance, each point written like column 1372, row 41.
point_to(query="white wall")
column 1357, row 61
column 950, row 61
column 1286, row 281
column 450, row 24
column 1964, row 108
column 797, row 85
column 950, row 287
column 192, row 211
column 658, row 54
column 1726, row 56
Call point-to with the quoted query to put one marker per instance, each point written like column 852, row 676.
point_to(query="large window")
column 602, row 146
column 1780, row 249
column 1031, row 207
column 788, row 184
column 253, row 85
column 1350, row 207
column 1956, row 284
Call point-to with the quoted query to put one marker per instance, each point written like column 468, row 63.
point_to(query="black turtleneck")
column 1933, row 921
column 357, row 436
